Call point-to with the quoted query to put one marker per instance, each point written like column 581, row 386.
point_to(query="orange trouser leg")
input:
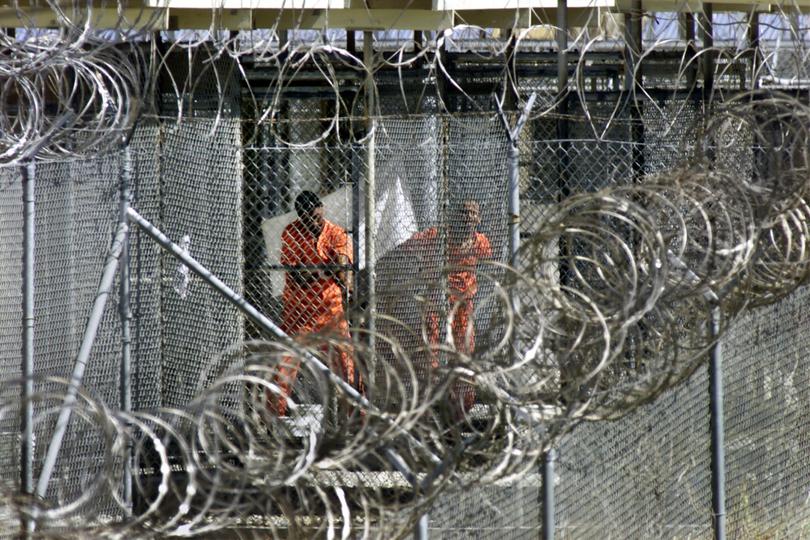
column 286, row 373
column 343, row 365
column 462, row 395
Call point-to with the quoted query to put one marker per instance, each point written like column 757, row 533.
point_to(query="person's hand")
column 308, row 277
column 348, row 299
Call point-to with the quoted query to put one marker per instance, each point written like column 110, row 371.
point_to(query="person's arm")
column 341, row 247
column 343, row 277
column 419, row 240
column 484, row 248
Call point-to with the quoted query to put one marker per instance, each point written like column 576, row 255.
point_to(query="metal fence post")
column 716, row 354
column 716, row 423
column 753, row 43
column 513, row 192
column 513, row 174
column 633, row 82
column 708, row 59
column 562, row 153
column 717, row 428
column 421, row 530
column 28, row 171
column 548, row 494
column 370, row 210
column 126, row 318
column 689, row 38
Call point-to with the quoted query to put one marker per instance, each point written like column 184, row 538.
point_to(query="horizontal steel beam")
column 323, row 14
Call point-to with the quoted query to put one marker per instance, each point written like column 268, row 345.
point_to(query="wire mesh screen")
column 645, row 476
column 11, row 236
column 76, row 213
column 76, row 216
column 671, row 128
column 429, row 171
column 511, row 511
column 145, row 274
column 767, row 394
column 277, row 171
column 201, row 209
column 11, row 247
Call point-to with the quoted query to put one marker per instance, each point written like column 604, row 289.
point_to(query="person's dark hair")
column 306, row 202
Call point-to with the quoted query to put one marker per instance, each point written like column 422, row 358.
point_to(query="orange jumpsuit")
column 462, row 287
column 314, row 307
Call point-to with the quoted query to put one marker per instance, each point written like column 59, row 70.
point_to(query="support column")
column 562, row 46
column 707, row 62
column 370, row 209
column 548, row 494
column 351, row 42
column 689, row 37
column 632, row 46
column 125, row 314
column 753, row 44
column 28, row 171
column 632, row 83
column 717, row 429
column 547, row 472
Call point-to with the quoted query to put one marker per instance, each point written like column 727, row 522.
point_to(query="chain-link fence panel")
column 766, row 378
column 201, row 210
column 644, row 476
column 76, row 214
column 76, row 209
column 425, row 166
column 145, row 272
column 276, row 174
column 11, row 276
column 510, row 511
column 671, row 131
column 639, row 476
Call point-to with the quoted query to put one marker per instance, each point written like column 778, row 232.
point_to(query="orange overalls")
column 314, row 307
column 462, row 287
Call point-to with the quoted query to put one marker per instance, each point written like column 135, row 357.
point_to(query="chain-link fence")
column 227, row 198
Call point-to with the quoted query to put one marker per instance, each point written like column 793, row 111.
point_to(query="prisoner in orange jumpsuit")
column 313, row 298
column 465, row 248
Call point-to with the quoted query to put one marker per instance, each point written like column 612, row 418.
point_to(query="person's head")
column 309, row 208
column 465, row 217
